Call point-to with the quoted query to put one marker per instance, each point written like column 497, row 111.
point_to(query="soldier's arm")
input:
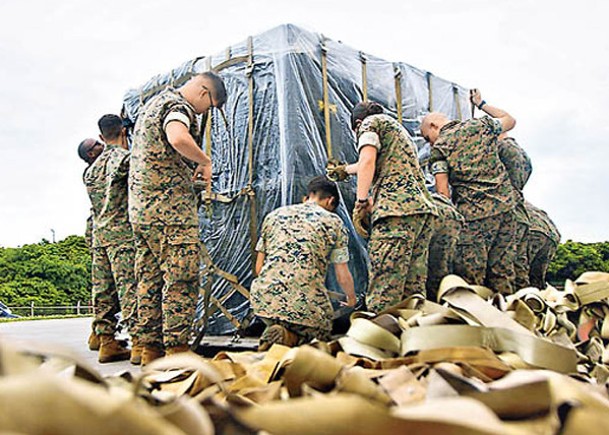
column 442, row 184
column 366, row 166
column 181, row 140
column 507, row 121
column 259, row 262
column 345, row 280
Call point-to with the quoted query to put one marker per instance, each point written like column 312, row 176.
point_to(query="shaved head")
column 431, row 125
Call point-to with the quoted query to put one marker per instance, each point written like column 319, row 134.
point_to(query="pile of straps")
column 473, row 363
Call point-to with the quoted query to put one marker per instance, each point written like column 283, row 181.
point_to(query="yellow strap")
column 398, row 90
column 250, row 159
column 363, row 60
column 533, row 350
column 324, row 78
column 593, row 292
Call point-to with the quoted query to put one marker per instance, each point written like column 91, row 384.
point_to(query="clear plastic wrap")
column 289, row 138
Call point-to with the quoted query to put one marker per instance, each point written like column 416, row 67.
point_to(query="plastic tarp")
column 289, row 137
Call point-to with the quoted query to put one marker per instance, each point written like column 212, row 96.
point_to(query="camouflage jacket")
column 106, row 181
column 468, row 152
column 398, row 186
column 160, row 187
column 541, row 222
column 446, row 209
column 516, row 161
column 298, row 242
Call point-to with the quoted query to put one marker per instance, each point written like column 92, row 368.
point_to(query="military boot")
column 136, row 352
column 150, row 353
column 93, row 341
column 110, row 350
column 277, row 334
column 177, row 349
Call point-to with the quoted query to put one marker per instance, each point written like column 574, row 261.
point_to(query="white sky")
column 66, row 63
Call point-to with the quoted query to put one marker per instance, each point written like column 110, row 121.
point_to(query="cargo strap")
column 457, row 102
column 430, row 91
column 397, row 72
column 326, row 99
column 250, row 159
column 364, row 60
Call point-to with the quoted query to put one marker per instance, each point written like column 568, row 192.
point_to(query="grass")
column 28, row 318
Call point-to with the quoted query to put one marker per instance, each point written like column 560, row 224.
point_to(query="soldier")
column 88, row 150
column 443, row 244
column 296, row 244
column 114, row 286
column 465, row 154
column 402, row 210
column 163, row 213
column 519, row 168
column 543, row 242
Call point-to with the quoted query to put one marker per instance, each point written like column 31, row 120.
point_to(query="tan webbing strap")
column 457, row 102
column 250, row 159
column 533, row 350
column 430, row 89
column 326, row 99
column 364, row 60
column 593, row 292
column 397, row 72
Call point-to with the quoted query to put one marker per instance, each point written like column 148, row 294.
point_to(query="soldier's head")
column 89, row 149
column 112, row 130
column 204, row 91
column 324, row 192
column 362, row 110
column 431, row 125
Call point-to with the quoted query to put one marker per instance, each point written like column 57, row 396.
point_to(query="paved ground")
column 72, row 334
column 69, row 334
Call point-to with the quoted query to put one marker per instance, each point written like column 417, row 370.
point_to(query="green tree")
column 46, row 273
column 574, row 258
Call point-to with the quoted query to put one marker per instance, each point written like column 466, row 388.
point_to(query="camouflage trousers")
column 521, row 261
column 305, row 334
column 441, row 253
column 486, row 251
column 398, row 250
column 541, row 251
column 114, row 288
column 167, row 273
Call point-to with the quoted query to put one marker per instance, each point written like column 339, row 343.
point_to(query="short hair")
column 110, row 126
column 84, row 147
column 364, row 109
column 219, row 89
column 323, row 188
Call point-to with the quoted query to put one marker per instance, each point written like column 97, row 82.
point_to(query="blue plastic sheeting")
column 289, row 137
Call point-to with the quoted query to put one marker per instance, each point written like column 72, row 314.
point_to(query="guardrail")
column 34, row 310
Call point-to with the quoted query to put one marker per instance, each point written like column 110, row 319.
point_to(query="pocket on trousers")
column 181, row 235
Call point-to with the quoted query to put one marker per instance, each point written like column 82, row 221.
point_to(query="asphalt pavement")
column 69, row 335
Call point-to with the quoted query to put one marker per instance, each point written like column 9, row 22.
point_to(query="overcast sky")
column 66, row 63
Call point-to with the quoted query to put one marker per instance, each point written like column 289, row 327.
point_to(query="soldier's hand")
column 202, row 173
column 335, row 171
column 475, row 97
column 365, row 207
column 351, row 300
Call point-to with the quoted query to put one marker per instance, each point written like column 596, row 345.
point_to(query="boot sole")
column 113, row 358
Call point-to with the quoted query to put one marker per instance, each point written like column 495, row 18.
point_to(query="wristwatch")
column 362, row 201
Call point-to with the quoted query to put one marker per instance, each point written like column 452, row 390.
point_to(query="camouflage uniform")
column 162, row 210
column 447, row 230
column 298, row 242
column 484, row 195
column 519, row 168
column 543, row 242
column 402, row 216
column 114, row 287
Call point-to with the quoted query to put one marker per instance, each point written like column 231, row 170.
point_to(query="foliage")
column 46, row 273
column 574, row 258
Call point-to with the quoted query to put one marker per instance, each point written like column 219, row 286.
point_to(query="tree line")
column 60, row 273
